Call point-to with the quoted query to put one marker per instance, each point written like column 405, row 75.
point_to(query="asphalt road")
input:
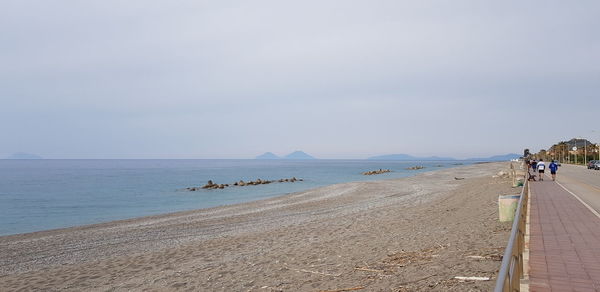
column 583, row 182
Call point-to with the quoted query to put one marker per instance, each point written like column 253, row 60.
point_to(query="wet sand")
column 409, row 234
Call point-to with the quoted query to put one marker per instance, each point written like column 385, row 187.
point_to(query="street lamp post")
column 584, row 152
column 597, row 145
column 575, row 152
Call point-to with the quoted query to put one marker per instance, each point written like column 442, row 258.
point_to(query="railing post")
column 512, row 267
column 519, row 260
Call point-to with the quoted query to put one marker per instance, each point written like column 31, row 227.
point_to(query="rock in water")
column 380, row 171
column 209, row 185
column 416, row 167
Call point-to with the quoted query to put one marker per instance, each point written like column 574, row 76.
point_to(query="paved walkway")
column 564, row 246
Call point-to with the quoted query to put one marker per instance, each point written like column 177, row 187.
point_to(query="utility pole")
column 575, row 151
column 597, row 145
column 584, row 151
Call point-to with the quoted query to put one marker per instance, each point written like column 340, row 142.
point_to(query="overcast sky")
column 337, row 79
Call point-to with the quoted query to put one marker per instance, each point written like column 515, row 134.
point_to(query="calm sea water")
column 46, row 194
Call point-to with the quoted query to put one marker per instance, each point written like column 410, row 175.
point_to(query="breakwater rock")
column 415, row 167
column 211, row 185
column 373, row 172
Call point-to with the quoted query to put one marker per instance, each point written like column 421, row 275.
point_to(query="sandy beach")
column 409, row 234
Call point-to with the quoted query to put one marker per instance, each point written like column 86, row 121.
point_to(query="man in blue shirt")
column 553, row 168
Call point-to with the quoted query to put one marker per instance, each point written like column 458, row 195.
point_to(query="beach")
column 407, row 234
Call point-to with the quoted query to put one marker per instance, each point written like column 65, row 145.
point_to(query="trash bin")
column 507, row 206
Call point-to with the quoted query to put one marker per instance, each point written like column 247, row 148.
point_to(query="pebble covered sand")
column 409, row 234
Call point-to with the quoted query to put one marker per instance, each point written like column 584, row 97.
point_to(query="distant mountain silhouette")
column 579, row 143
column 293, row 155
column 298, row 155
column 23, row 155
column 268, row 155
column 505, row 157
column 408, row 157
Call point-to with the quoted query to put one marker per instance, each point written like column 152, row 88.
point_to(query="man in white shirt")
column 541, row 167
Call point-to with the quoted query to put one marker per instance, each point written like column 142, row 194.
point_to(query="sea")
column 47, row 194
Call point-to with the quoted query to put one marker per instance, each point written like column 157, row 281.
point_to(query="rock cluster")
column 241, row 183
column 293, row 179
column 211, row 185
column 259, row 181
column 380, row 171
column 208, row 185
column 415, row 167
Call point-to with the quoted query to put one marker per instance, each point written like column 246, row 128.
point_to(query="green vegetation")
column 564, row 153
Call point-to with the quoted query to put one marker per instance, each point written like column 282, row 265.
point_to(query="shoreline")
column 183, row 212
column 282, row 227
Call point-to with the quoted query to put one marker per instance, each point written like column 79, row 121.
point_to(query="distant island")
column 298, row 155
column 294, row 155
column 268, row 155
column 407, row 157
column 23, row 155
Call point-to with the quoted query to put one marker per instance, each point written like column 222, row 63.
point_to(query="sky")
column 336, row 79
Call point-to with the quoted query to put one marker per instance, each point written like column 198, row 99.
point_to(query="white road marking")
column 580, row 200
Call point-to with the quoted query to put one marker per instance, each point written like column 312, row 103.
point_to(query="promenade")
column 564, row 246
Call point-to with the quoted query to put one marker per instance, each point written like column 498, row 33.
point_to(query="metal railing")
column 511, row 270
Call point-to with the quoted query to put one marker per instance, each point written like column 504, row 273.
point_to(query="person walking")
column 553, row 168
column 534, row 166
column 540, row 168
